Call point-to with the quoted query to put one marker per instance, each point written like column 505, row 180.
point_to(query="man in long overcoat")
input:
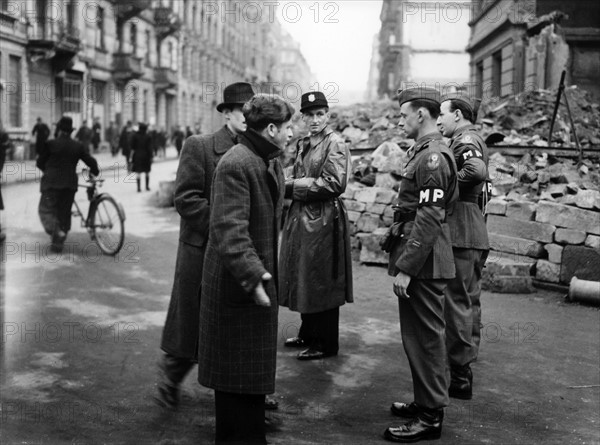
column 239, row 305
column 315, row 262
column 141, row 155
column 193, row 185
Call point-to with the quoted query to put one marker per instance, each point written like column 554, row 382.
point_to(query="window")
column 148, row 46
column 100, row 28
column 172, row 56
column 479, row 80
column 134, row 104
column 71, row 93
column 496, row 72
column 14, row 100
column 146, row 106
column 133, row 38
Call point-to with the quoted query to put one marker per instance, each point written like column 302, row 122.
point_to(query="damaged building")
column 520, row 46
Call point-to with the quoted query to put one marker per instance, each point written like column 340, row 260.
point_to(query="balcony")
column 166, row 22
column 129, row 9
column 58, row 41
column 127, row 67
column 164, row 78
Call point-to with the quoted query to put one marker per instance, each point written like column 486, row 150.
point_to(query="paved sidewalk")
column 25, row 171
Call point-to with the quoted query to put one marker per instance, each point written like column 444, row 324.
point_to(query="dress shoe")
column 167, row 396
column 461, row 383
column 406, row 410
column 426, row 426
column 271, row 404
column 295, row 342
column 314, row 354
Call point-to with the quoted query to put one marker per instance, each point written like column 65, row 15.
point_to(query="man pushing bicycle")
column 58, row 161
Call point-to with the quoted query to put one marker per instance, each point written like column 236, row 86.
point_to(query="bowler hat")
column 418, row 93
column 65, row 124
column 313, row 99
column 461, row 97
column 236, row 94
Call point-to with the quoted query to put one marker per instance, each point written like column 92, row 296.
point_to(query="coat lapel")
column 222, row 141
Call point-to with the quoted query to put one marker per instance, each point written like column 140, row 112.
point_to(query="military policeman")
column 470, row 243
column 421, row 260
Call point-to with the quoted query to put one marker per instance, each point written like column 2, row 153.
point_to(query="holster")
column 389, row 239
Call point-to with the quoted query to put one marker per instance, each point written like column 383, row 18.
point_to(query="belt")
column 403, row 217
column 469, row 198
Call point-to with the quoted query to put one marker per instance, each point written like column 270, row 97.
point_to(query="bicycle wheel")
column 108, row 226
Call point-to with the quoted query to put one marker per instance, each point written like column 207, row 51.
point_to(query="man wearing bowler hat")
column 315, row 261
column 470, row 242
column 58, row 160
column 422, row 263
column 193, row 184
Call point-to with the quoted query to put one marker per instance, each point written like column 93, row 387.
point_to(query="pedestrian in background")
column 84, row 135
column 58, row 161
column 96, row 134
column 470, row 244
column 111, row 135
column 178, row 137
column 192, row 196
column 422, row 263
column 41, row 131
column 239, row 306
column 141, row 155
column 125, row 142
column 161, row 142
column 315, row 262
column 4, row 147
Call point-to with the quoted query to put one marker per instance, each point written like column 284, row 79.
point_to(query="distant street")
column 80, row 336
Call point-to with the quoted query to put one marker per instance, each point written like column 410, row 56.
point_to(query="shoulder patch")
column 433, row 161
column 468, row 139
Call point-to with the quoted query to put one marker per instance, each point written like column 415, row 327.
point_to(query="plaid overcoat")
column 238, row 339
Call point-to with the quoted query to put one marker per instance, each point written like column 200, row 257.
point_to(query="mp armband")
column 432, row 196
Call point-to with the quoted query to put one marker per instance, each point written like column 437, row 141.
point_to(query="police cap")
column 313, row 99
column 418, row 93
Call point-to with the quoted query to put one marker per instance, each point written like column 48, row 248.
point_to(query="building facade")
column 162, row 62
column 526, row 44
column 423, row 43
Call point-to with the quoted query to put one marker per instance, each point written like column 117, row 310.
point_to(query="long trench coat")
column 193, row 185
column 315, row 259
column 238, row 339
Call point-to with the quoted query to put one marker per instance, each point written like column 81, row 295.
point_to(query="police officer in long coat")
column 421, row 260
column 470, row 242
column 315, row 260
column 193, row 186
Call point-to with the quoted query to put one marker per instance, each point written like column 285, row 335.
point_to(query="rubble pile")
column 525, row 118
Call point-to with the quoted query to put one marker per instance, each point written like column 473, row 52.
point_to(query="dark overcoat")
column 58, row 160
column 141, row 146
column 193, row 185
column 315, row 261
column 238, row 339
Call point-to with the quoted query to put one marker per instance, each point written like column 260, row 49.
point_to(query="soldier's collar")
column 426, row 139
column 320, row 136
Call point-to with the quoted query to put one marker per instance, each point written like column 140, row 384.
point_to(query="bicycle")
column 105, row 220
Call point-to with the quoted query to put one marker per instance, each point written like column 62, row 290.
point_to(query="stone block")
column 495, row 256
column 376, row 208
column 547, row 271
column 388, row 212
column 387, row 221
column 569, row 217
column 350, row 191
column 496, row 206
column 581, row 262
column 521, row 210
column 354, row 206
column 557, row 190
column 507, row 284
column 509, row 267
column 516, row 246
column 554, row 253
column 592, row 241
column 386, row 180
column 569, row 236
column 353, row 216
column 370, row 251
column 367, row 194
column 587, row 199
column 529, row 230
column 385, row 196
column 368, row 222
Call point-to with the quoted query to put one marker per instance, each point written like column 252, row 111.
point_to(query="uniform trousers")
column 55, row 210
column 463, row 307
column 320, row 330
column 423, row 335
column 240, row 418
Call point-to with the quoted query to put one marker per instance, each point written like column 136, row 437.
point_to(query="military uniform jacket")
column 427, row 193
column 467, row 223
